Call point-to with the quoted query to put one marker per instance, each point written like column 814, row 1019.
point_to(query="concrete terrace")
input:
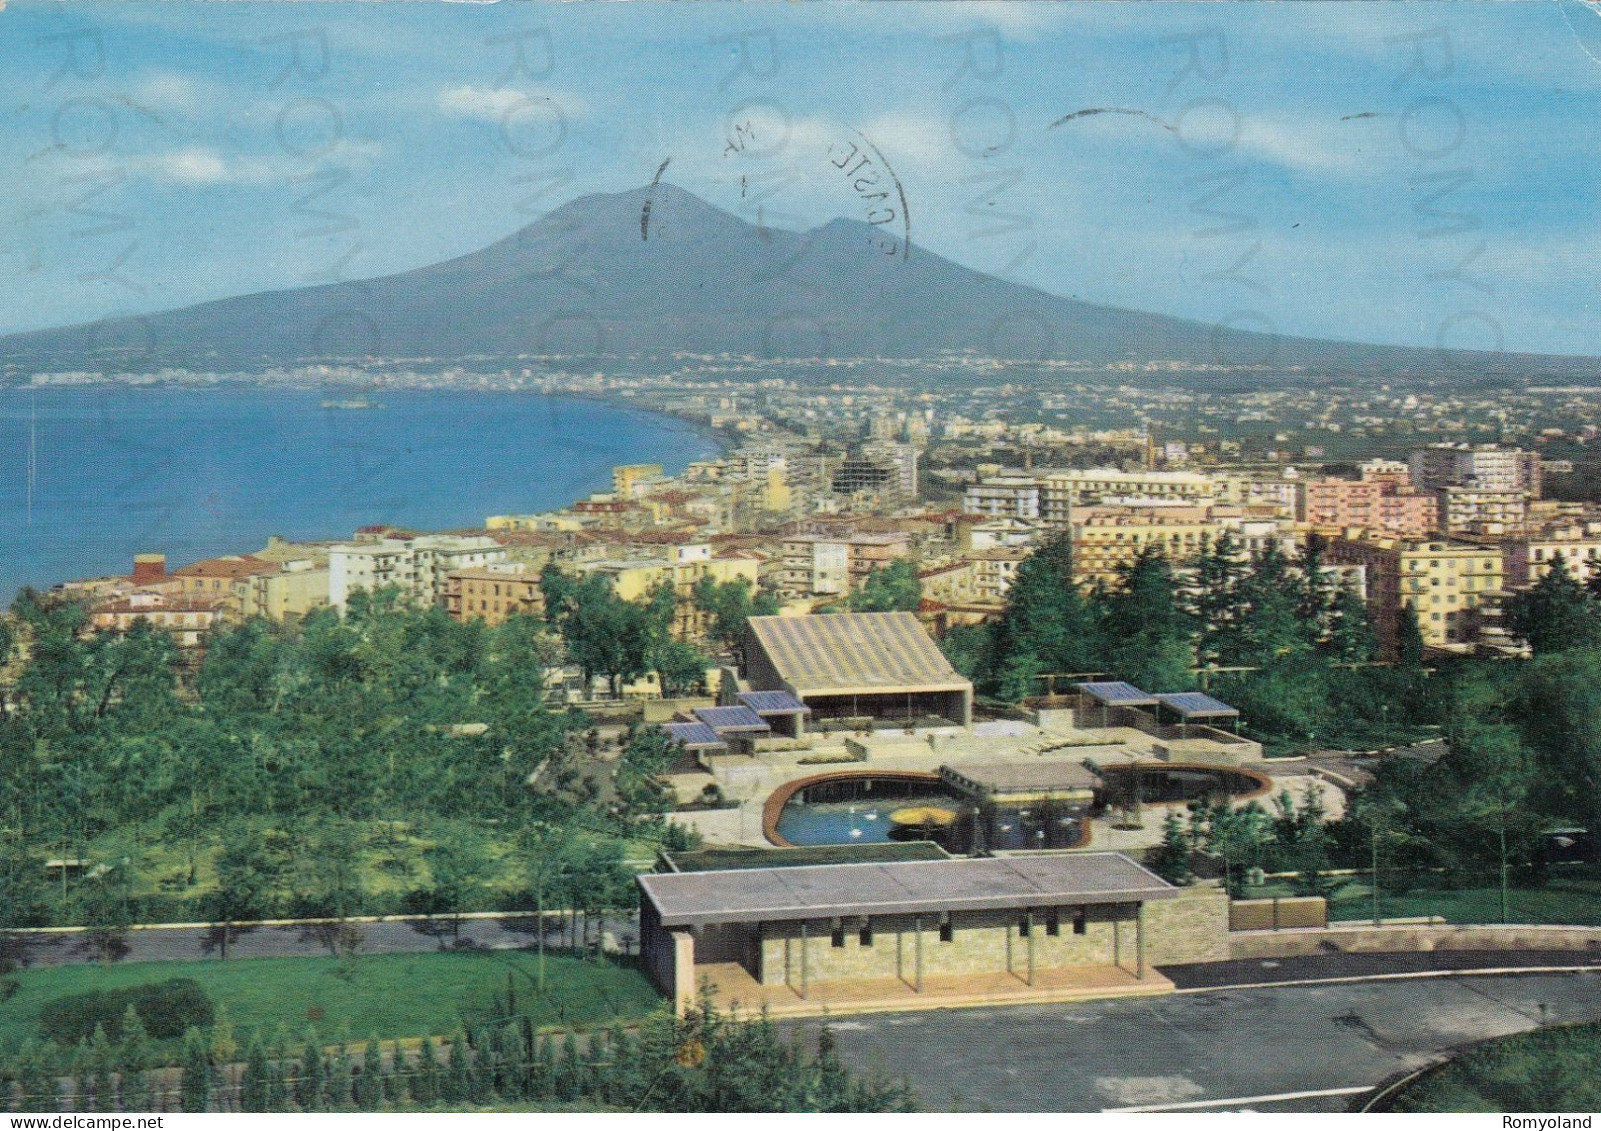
column 1047, row 735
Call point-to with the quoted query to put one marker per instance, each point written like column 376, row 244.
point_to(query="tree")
column 255, row 1084
column 248, row 872
column 1555, row 613
column 1409, row 639
column 458, row 868
column 195, row 1085
column 680, row 666
column 133, row 1057
column 1173, row 857
column 894, row 588
column 1350, row 637
column 370, row 1084
column 1148, row 636
column 730, row 605
column 1047, row 625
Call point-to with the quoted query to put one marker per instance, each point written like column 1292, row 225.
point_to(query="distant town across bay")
column 91, row 475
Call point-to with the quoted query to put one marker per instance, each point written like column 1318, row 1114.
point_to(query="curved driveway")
column 1213, row 1049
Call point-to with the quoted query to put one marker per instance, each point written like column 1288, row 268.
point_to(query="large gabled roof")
column 838, row 653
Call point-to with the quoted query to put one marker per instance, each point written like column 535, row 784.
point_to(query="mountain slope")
column 592, row 277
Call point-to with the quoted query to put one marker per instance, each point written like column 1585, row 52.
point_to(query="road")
column 167, row 944
column 1312, row 1047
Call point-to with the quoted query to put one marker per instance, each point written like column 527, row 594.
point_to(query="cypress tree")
column 370, row 1084
column 455, row 1086
column 516, row 1062
column 255, row 1086
column 312, row 1085
column 100, row 1057
column 38, row 1082
column 195, row 1089
column 541, row 1079
column 133, row 1058
column 425, row 1083
column 340, row 1078
column 571, row 1076
column 82, row 1077
column 485, row 1067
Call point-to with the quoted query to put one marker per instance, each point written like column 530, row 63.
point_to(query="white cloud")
column 486, row 104
column 193, row 167
column 201, row 166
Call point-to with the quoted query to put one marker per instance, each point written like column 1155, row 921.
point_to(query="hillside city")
column 980, row 690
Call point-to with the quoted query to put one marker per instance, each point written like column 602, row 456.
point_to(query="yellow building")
column 635, row 579
column 628, row 478
column 1454, row 587
column 289, row 594
column 1108, row 539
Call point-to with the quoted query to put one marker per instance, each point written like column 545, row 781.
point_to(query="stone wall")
column 1194, row 927
column 1366, row 938
column 992, row 941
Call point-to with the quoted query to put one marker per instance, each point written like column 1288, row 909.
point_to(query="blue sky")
column 1420, row 173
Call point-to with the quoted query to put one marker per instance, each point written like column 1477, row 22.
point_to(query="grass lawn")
column 394, row 995
column 1548, row 1070
column 1572, row 895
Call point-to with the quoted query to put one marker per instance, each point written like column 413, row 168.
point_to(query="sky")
column 1416, row 174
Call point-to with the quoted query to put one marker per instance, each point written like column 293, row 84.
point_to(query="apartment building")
column 1109, row 538
column 418, row 566
column 1529, row 558
column 1382, row 504
column 1455, row 587
column 682, row 567
column 1003, row 496
column 1487, row 467
column 834, row 565
column 1482, row 510
column 225, row 579
column 296, row 588
column 188, row 618
column 993, row 571
column 494, row 592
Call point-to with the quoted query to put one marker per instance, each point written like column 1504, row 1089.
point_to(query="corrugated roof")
column 841, row 652
column 1195, row 705
column 723, row 719
column 1117, row 694
column 773, row 703
column 693, row 734
column 826, row 891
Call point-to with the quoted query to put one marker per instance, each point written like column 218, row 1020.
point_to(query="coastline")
column 197, row 500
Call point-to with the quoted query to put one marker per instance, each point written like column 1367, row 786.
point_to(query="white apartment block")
column 417, row 566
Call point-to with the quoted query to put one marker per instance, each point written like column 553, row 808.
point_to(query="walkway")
column 734, row 986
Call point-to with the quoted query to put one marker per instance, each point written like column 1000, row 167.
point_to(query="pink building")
column 1378, row 504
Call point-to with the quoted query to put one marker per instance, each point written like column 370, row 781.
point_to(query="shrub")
column 168, row 1009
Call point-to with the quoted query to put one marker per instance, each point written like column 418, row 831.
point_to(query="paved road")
column 1225, row 1049
column 168, row 944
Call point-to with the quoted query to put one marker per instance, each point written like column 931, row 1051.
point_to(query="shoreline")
column 701, row 439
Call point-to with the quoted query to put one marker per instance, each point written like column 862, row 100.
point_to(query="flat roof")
column 693, row 734
column 722, row 719
column 773, row 703
column 841, row 653
column 833, row 890
column 1196, row 705
column 1117, row 694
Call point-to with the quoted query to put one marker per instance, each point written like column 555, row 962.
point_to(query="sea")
column 92, row 475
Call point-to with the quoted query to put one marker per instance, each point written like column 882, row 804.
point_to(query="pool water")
column 856, row 811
